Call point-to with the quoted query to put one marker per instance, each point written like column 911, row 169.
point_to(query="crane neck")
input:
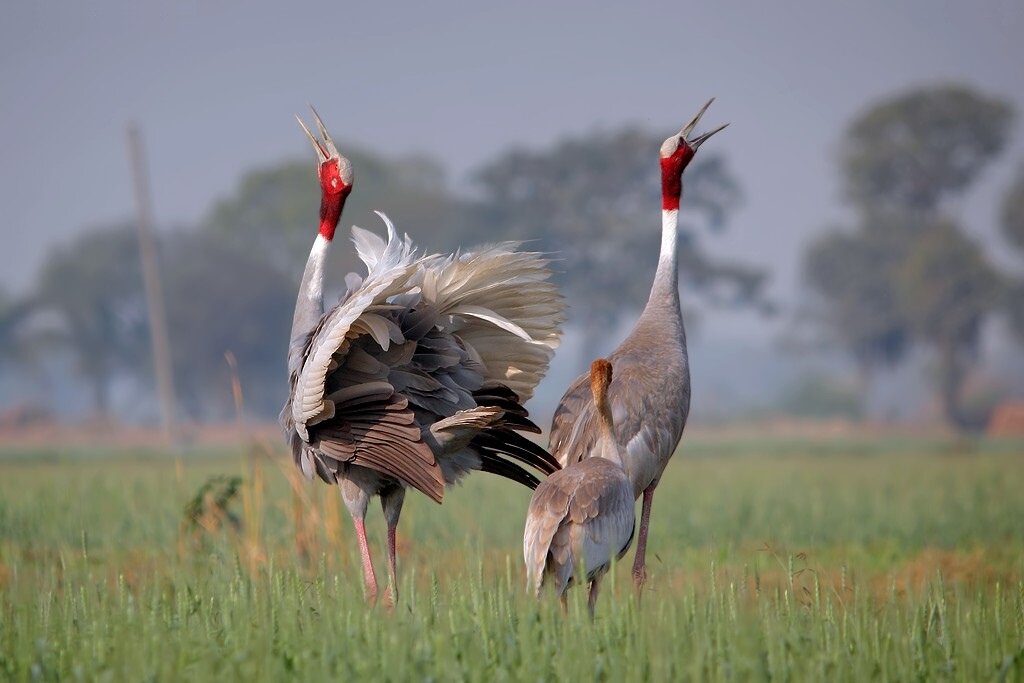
column 609, row 446
column 309, row 305
column 666, row 277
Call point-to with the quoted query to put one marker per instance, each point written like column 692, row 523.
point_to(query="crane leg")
column 369, row 577
column 640, row 561
column 592, row 596
column 391, row 502
column 392, row 567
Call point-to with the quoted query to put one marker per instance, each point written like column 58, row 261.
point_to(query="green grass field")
column 783, row 560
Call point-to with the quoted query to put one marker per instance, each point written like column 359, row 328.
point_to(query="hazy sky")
column 215, row 84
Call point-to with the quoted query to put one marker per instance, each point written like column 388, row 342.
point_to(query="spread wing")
column 387, row 381
column 504, row 309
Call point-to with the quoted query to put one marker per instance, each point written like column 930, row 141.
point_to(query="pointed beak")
column 699, row 140
column 325, row 148
column 686, row 130
column 321, row 153
column 332, row 151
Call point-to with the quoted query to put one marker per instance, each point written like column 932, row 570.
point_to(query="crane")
column 582, row 516
column 650, row 395
column 418, row 374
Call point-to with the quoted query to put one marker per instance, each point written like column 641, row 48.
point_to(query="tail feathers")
column 456, row 432
column 504, row 441
column 499, row 396
column 509, row 470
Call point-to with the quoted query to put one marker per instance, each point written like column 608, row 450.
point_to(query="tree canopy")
column 594, row 202
column 915, row 149
column 93, row 286
column 907, row 274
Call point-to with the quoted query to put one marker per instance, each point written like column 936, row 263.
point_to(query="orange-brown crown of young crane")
column 650, row 396
column 582, row 517
column 418, row 374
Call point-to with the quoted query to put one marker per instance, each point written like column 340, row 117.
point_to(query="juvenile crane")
column 650, row 395
column 582, row 517
column 417, row 376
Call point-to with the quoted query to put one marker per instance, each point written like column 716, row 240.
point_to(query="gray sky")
column 215, row 84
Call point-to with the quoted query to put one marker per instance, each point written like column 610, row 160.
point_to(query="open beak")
column 325, row 148
column 686, row 130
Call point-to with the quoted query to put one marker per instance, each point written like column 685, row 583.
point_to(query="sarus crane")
column 418, row 375
column 582, row 517
column 650, row 394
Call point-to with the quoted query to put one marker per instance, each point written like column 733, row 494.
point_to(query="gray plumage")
column 650, row 394
column 418, row 374
column 582, row 517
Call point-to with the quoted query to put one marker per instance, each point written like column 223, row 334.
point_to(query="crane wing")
column 644, row 426
column 391, row 265
column 503, row 308
column 582, row 515
column 386, row 380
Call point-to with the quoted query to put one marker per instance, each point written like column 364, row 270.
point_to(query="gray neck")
column 607, row 444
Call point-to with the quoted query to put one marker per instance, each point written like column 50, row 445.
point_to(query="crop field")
column 879, row 559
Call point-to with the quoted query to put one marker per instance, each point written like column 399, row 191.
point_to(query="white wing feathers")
column 503, row 307
column 390, row 267
column 497, row 301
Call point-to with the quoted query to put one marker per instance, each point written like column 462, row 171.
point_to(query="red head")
column 676, row 153
column 335, row 173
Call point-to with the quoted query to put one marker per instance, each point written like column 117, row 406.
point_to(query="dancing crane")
column 418, row 374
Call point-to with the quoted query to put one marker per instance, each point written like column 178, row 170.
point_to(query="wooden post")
column 159, row 339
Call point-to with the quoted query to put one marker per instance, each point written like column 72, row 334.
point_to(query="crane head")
column 334, row 170
column 676, row 153
column 335, row 174
column 681, row 146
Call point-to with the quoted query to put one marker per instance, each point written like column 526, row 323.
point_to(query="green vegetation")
column 793, row 560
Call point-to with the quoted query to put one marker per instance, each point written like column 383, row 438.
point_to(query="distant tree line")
column 906, row 273
column 230, row 281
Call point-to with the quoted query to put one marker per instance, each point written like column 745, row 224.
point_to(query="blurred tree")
column 274, row 211
column 12, row 315
column 853, row 272
column 221, row 298
column 908, row 274
column 594, row 202
column 946, row 289
column 1013, row 230
column 1013, row 212
column 93, row 288
column 913, row 150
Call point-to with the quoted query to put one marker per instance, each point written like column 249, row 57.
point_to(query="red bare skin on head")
column 672, row 176
column 333, row 193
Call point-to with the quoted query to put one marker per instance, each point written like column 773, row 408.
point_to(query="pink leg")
column 640, row 562
column 392, row 565
column 364, row 550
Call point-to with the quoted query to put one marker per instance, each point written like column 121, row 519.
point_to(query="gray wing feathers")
column 503, row 308
column 579, row 517
column 410, row 346
column 647, row 422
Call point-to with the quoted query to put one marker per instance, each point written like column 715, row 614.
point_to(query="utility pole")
column 159, row 339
